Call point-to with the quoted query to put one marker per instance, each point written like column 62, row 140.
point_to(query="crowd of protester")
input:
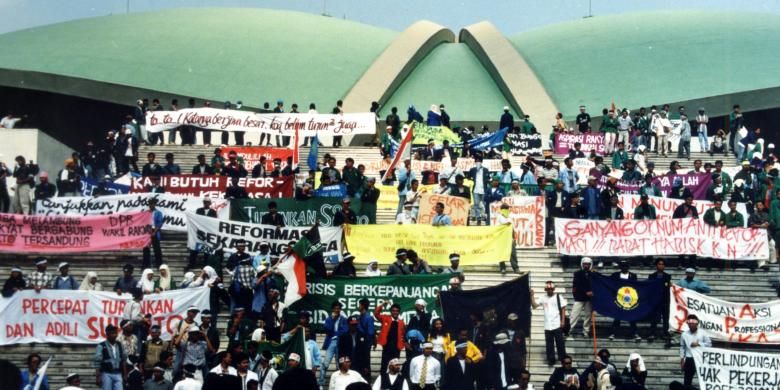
column 133, row 356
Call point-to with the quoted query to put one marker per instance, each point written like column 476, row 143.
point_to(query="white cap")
column 294, row 356
column 427, row 345
column 420, row 301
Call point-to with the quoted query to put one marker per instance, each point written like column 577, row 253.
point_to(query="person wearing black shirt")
column 170, row 167
column 686, row 210
column 272, row 217
column 232, row 167
column 346, row 267
column 25, row 179
column 44, row 189
column 663, row 308
column 420, row 320
column 238, row 256
column 259, row 170
column 345, row 215
column 368, row 199
column 289, row 170
column 234, row 191
column 202, row 168
column 155, row 187
column 583, row 121
column 507, row 121
column 151, row 168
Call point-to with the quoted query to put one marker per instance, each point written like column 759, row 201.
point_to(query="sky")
column 509, row 16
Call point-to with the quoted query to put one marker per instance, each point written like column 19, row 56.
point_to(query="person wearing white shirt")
column 425, row 370
column 554, row 306
column 388, row 380
column 243, row 372
column 189, row 382
column 266, row 374
column 663, row 128
column 224, row 367
column 406, row 217
column 344, row 377
column 690, row 340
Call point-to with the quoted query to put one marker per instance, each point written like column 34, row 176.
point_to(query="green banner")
column 423, row 132
column 280, row 352
column 403, row 290
column 300, row 212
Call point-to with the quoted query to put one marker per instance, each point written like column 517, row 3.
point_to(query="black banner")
column 525, row 144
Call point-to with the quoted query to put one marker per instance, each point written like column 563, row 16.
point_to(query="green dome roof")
column 253, row 55
column 640, row 59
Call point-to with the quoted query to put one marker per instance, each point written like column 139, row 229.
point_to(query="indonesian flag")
column 293, row 265
column 404, row 152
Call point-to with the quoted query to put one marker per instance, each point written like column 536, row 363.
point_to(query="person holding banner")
column 690, row 340
column 157, row 224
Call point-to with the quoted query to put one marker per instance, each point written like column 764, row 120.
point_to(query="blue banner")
column 626, row 300
column 332, row 191
column 89, row 185
column 487, row 141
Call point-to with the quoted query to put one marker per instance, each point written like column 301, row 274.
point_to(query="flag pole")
column 593, row 326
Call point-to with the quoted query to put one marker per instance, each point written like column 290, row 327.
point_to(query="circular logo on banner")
column 627, row 298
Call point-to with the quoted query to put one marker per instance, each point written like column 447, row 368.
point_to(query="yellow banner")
column 475, row 244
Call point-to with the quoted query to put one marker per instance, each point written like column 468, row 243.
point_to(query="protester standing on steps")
column 581, row 290
column 691, row 340
column 157, row 224
column 554, row 306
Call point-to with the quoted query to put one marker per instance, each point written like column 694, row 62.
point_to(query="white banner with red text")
column 659, row 237
column 172, row 207
column 748, row 323
column 80, row 317
column 308, row 125
column 527, row 216
column 723, row 369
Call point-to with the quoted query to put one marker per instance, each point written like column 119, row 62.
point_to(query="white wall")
column 35, row 145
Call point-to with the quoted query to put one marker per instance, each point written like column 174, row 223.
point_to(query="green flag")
column 281, row 352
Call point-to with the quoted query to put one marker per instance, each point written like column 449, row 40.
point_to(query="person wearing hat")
column 691, row 283
column 460, row 373
column 189, row 371
column 582, row 293
column 425, row 370
column 64, row 281
column 154, row 230
column 73, row 381
column 109, row 363
column 127, row 336
column 14, row 283
column 506, row 121
column 497, row 367
column 345, row 216
column 180, row 333
column 406, row 217
column 44, row 189
column 455, row 268
column 420, row 320
column 393, row 378
column 40, row 279
column 194, row 350
column 346, row 267
column 554, row 306
column 624, row 274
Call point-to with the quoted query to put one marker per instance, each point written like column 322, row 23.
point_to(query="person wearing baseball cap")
column 346, row 267
column 425, row 370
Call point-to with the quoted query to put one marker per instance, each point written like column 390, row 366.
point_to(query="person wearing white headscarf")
column 187, row 280
column 90, row 282
column 635, row 370
column 373, row 269
column 207, row 277
column 164, row 283
column 146, row 284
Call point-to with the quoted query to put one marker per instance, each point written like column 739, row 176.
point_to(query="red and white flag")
column 404, row 152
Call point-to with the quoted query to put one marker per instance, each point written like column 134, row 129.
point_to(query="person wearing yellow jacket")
column 472, row 351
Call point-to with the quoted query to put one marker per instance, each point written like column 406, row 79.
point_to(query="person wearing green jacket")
column 733, row 219
column 715, row 215
column 620, row 156
column 727, row 182
column 645, row 210
column 610, row 132
column 352, row 177
column 528, row 126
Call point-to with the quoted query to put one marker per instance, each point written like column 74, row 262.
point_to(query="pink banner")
column 590, row 141
column 63, row 234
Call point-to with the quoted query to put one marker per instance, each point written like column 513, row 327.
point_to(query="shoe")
column 600, row 264
column 637, row 338
column 585, row 334
column 611, row 337
column 570, row 338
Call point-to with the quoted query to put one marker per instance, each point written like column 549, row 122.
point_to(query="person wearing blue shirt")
column 366, row 324
column 569, row 176
column 591, row 199
column 440, row 219
column 693, row 284
column 157, row 224
column 405, row 177
column 30, row 375
column 335, row 326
